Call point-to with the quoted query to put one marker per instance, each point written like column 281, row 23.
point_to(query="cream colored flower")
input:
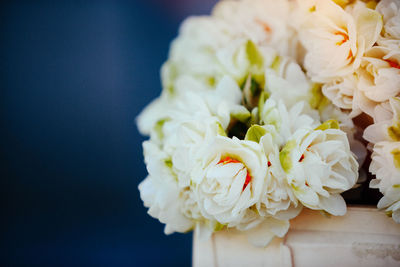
column 158, row 110
column 184, row 139
column 391, row 202
column 335, row 39
column 282, row 122
column 220, row 102
column 277, row 200
column 385, row 165
column 388, row 126
column 206, row 50
column 193, row 51
column 162, row 195
column 223, row 101
column 390, row 10
column 265, row 22
column 379, row 78
column 230, row 179
column 320, row 166
column 286, row 81
column 341, row 92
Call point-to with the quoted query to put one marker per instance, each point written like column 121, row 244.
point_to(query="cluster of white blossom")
column 353, row 49
column 385, row 136
column 240, row 137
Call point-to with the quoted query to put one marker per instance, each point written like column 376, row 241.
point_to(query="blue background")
column 73, row 77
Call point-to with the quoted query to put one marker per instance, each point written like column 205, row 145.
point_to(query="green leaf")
column 284, row 156
column 343, row 3
column 261, row 101
column 168, row 162
column 221, row 130
column 241, row 114
column 219, row 226
column 169, row 73
column 251, row 92
column 255, row 118
column 255, row 88
column 394, row 131
column 254, row 56
column 276, row 63
column 329, row 124
column 396, row 157
column 254, row 133
column 371, row 4
column 158, row 127
column 317, row 100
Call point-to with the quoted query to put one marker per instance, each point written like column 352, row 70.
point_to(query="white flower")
column 157, row 111
column 185, row 139
column 230, row 179
column 341, row 92
column 388, row 127
column 206, row 51
column 265, row 22
column 391, row 201
column 335, row 39
column 286, row 81
column 277, row 200
column 282, row 122
column 224, row 100
column 242, row 57
column 162, row 195
column 346, row 124
column 320, row 166
column 379, row 78
column 193, row 51
column 385, row 165
column 390, row 10
column 221, row 102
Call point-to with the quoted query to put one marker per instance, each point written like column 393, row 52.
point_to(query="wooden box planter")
column 363, row 237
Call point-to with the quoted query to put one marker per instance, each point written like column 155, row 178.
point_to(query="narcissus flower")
column 161, row 194
column 388, row 126
column 385, row 165
column 320, row 166
column 390, row 11
column 335, row 38
column 230, row 179
column 260, row 110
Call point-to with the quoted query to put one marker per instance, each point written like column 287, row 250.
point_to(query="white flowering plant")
column 271, row 106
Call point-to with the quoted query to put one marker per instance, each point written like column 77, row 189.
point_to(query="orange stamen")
column 350, row 55
column 227, row 160
column 247, row 181
column 393, row 64
column 264, row 25
column 345, row 37
column 301, row 158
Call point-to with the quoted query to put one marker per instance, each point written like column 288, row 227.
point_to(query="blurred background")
column 73, row 77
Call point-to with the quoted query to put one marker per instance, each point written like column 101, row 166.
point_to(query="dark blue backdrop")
column 73, row 77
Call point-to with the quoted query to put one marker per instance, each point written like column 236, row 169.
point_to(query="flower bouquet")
column 269, row 107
